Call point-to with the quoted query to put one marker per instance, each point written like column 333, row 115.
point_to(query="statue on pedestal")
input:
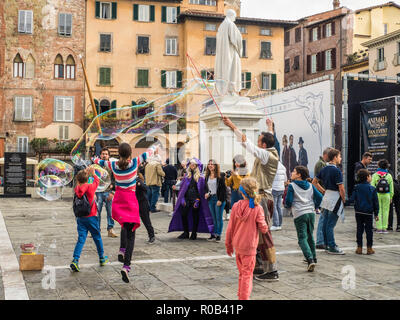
column 228, row 70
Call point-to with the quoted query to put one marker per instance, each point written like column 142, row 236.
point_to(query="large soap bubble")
column 61, row 169
column 104, row 177
column 53, row 176
column 49, row 187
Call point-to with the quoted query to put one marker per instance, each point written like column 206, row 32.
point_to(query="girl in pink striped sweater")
column 125, row 207
column 246, row 219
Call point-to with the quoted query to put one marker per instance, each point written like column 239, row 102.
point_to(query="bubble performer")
column 125, row 207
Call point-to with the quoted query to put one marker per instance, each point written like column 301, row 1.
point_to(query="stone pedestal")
column 217, row 141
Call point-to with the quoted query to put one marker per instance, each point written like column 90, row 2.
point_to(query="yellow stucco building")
column 136, row 52
column 373, row 22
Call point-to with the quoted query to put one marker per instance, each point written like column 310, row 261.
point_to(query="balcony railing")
column 380, row 65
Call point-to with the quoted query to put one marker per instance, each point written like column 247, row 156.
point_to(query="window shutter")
column 204, row 74
column 273, row 81
column 133, row 103
column 97, row 9
column 163, row 79
column 61, row 132
column 66, row 132
column 101, row 75
column 248, row 80
column 308, row 64
column 179, row 79
column 96, row 104
column 310, row 34
column 319, row 33
column 108, row 76
column 21, row 21
column 27, row 108
column 113, row 10
column 333, row 28
column 152, row 13
column 136, row 12
column 61, row 25
column 18, row 108
column 178, row 12
column 323, row 60
column 68, row 24
column 114, row 104
column 319, row 61
column 29, row 22
column 324, row 31
column 163, row 14
column 333, row 57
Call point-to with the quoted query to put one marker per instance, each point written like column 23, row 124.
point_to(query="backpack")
column 81, row 206
column 383, row 185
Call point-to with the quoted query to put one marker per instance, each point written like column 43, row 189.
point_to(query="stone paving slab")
column 52, row 227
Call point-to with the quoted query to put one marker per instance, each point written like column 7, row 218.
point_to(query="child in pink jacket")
column 246, row 219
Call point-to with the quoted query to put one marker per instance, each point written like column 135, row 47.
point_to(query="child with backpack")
column 382, row 180
column 304, row 198
column 247, row 218
column 85, row 210
column 366, row 205
column 125, row 207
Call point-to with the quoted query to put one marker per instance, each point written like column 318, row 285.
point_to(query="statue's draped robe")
column 228, row 70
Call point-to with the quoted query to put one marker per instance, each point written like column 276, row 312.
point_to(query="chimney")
column 336, row 4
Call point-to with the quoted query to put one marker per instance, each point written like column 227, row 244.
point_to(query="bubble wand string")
column 209, row 92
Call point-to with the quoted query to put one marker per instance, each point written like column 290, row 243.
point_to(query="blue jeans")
column 153, row 194
column 235, row 197
column 329, row 224
column 102, row 198
column 277, row 217
column 84, row 225
column 217, row 213
column 320, row 234
column 168, row 190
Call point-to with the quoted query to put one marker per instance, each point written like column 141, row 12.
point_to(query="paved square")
column 176, row 269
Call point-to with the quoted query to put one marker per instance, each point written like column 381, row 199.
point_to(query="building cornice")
column 382, row 39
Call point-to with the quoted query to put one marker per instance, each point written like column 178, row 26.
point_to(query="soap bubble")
column 49, row 187
column 55, row 167
column 104, row 177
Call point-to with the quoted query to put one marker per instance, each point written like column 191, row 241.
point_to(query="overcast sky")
column 296, row 9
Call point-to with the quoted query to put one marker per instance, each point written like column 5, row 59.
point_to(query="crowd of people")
column 253, row 203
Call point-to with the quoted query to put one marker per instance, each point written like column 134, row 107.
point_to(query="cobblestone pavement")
column 176, row 269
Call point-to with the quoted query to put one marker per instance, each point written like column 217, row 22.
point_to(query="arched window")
column 30, row 67
column 70, row 68
column 59, row 67
column 18, row 67
column 105, row 105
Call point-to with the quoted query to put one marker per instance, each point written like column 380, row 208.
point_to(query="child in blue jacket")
column 366, row 206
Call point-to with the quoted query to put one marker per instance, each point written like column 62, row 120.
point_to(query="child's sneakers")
column 370, row 250
column 75, row 265
column 124, row 272
column 359, row 250
column 104, row 261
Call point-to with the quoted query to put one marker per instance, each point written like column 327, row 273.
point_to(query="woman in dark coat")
column 191, row 211
column 144, row 206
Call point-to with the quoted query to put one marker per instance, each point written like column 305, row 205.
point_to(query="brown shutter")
column 319, row 33
column 310, row 33
column 324, row 31
column 333, row 27
column 308, row 64
column 333, row 58
column 318, row 61
column 323, row 60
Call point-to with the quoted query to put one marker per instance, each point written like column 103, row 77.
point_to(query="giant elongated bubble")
column 49, row 187
column 104, row 177
column 61, row 169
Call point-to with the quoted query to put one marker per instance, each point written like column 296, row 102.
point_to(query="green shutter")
column 248, row 80
column 133, row 103
column 178, row 12
column 136, row 12
column 273, row 81
column 163, row 79
column 143, row 78
column 101, row 81
column 179, row 78
column 114, row 10
column 114, row 104
column 152, row 13
column 97, row 9
column 163, row 14
column 204, row 74
column 108, row 75
column 96, row 104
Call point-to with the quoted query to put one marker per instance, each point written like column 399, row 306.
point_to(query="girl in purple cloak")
column 191, row 211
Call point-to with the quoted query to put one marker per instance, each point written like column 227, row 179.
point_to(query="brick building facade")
column 41, row 80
